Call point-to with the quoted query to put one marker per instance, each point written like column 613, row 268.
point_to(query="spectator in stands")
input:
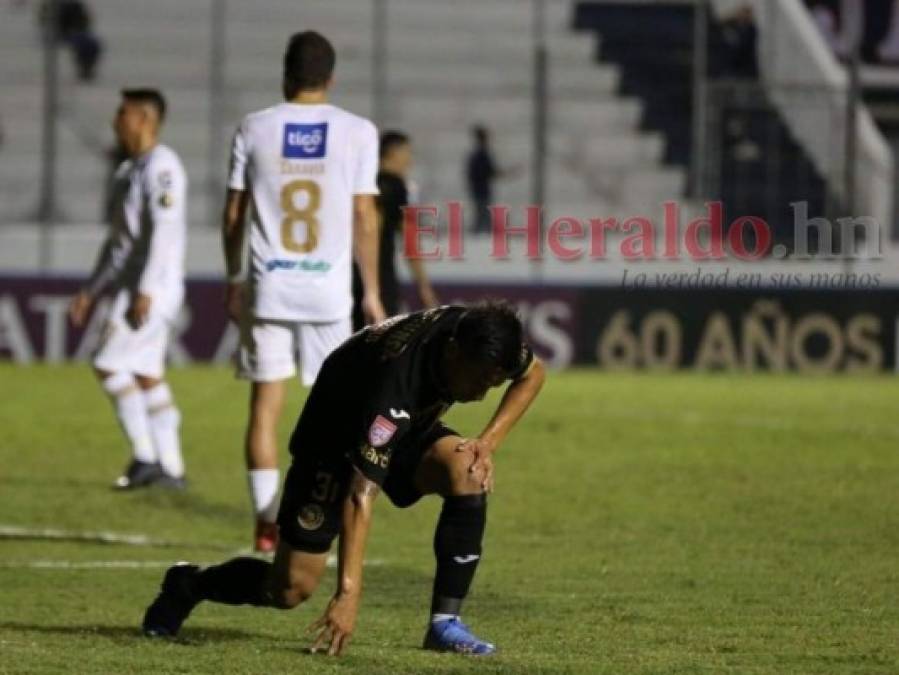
column 876, row 21
column 481, row 171
column 73, row 26
column 826, row 14
column 879, row 15
column 740, row 37
column 889, row 48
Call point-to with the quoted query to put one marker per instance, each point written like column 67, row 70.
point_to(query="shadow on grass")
column 130, row 634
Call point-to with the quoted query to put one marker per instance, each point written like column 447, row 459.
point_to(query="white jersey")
column 302, row 165
column 148, row 231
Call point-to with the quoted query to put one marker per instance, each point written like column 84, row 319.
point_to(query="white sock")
column 129, row 407
column 164, row 423
column 437, row 618
column 264, row 493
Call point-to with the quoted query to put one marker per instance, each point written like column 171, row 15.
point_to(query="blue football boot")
column 454, row 636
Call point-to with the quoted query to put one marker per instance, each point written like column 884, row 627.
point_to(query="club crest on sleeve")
column 311, row 517
column 381, row 431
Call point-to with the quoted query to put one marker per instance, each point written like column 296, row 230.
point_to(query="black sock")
column 240, row 581
column 457, row 546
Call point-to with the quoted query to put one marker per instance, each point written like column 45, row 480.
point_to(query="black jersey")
column 382, row 391
column 392, row 197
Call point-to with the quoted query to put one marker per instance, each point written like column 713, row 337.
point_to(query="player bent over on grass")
column 372, row 423
column 142, row 265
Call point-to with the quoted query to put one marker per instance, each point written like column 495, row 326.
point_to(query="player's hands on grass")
column 139, row 311
column 79, row 308
column 336, row 625
column 234, row 301
column 372, row 308
column 482, row 462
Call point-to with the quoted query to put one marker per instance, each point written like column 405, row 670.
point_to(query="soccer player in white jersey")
column 141, row 264
column 304, row 172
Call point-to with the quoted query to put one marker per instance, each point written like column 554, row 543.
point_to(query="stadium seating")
column 600, row 161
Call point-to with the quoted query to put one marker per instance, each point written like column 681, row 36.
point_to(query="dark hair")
column 391, row 140
column 480, row 133
column 490, row 332
column 148, row 96
column 308, row 62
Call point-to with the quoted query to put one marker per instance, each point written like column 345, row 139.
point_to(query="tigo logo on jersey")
column 305, row 141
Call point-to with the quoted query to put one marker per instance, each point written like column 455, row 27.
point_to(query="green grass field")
column 641, row 524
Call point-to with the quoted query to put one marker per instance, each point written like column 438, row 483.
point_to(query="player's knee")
column 288, row 598
column 145, row 382
column 461, row 480
column 294, row 590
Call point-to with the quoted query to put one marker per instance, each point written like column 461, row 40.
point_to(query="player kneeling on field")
column 372, row 422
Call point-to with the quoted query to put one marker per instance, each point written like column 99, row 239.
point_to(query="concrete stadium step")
column 512, row 111
column 171, row 71
column 654, row 183
column 594, row 136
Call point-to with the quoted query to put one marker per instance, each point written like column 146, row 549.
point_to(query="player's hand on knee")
column 336, row 625
column 484, row 473
column 234, row 301
column 481, row 465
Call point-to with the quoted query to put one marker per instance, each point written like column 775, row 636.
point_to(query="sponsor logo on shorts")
column 381, row 431
column 465, row 559
column 399, row 414
column 311, row 517
column 305, row 141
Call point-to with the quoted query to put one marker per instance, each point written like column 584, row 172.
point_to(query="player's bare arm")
column 79, row 308
column 516, row 400
column 338, row 622
column 422, row 283
column 365, row 249
column 83, row 301
column 233, row 227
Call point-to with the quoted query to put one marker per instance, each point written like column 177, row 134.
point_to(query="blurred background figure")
column 878, row 17
column 75, row 28
column 481, row 170
column 395, row 190
column 826, row 15
column 740, row 36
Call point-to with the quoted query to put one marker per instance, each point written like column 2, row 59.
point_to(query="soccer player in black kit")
column 372, row 423
column 395, row 161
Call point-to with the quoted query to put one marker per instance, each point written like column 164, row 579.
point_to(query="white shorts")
column 269, row 350
column 123, row 349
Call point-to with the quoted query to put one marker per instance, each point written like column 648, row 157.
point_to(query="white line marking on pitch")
column 51, row 534
column 120, row 564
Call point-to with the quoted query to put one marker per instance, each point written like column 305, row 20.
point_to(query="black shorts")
column 317, row 482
